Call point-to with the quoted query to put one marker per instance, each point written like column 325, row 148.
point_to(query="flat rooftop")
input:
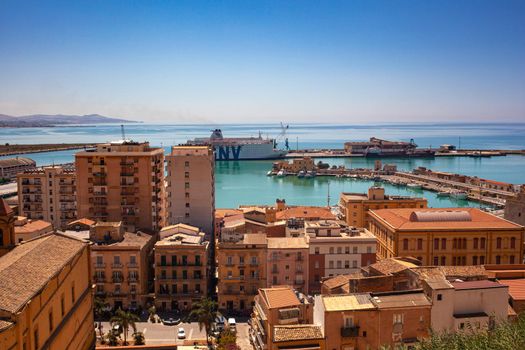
column 350, row 302
column 400, row 300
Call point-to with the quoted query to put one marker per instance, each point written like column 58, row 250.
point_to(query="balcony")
column 133, row 279
column 126, row 173
column 100, row 174
column 350, row 332
column 100, row 265
column 133, row 265
column 100, row 279
column 116, row 265
column 117, row 279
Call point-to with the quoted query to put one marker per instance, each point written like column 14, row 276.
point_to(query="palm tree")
column 205, row 311
column 125, row 319
column 98, row 307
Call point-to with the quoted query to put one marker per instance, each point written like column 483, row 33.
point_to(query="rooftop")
column 254, row 238
column 5, row 209
column 9, row 162
column 297, row 332
column 400, row 299
column 26, row 269
column 287, row 243
column 305, row 212
column 349, row 302
column 279, row 297
column 180, row 239
column 442, row 219
column 135, row 240
column 516, row 288
column 35, row 225
column 483, row 284
column 390, row 266
column 83, row 221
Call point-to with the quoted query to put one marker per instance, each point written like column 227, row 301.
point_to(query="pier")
column 9, row 150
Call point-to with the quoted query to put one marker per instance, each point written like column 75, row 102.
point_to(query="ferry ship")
column 240, row 148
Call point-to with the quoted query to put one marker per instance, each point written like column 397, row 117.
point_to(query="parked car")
column 171, row 321
column 220, row 322
column 232, row 325
column 181, row 334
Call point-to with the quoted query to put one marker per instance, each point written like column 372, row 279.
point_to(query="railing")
column 350, row 331
column 116, row 265
column 100, row 265
column 117, row 279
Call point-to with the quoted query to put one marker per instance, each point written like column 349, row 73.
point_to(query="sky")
column 265, row 61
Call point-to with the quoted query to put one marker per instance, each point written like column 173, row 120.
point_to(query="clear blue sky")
column 265, row 61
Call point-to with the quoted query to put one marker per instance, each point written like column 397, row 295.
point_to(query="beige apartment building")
column 122, row 181
column 120, row 264
column 287, row 262
column 181, row 269
column 355, row 206
column 48, row 194
column 191, row 187
column 242, row 272
column 46, row 300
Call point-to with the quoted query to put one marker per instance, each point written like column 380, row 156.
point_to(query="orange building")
column 181, row 269
column 48, row 194
column 287, row 262
column 355, row 206
column 453, row 236
column 26, row 229
column 122, row 181
column 282, row 319
column 191, row 187
column 242, row 272
column 121, row 263
column 46, row 300
column 7, row 228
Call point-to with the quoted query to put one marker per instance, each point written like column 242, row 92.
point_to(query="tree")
column 99, row 306
column 138, row 338
column 205, row 312
column 125, row 319
column 112, row 338
column 152, row 312
column 228, row 341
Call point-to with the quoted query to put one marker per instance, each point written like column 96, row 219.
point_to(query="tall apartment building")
column 46, row 300
column 181, row 269
column 452, row 236
column 120, row 264
column 48, row 194
column 122, row 181
column 287, row 262
column 335, row 249
column 191, row 187
column 355, row 206
column 242, row 272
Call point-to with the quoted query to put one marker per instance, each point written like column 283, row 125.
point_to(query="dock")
column 10, row 150
column 341, row 153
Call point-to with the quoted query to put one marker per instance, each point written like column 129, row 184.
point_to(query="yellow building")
column 49, row 194
column 121, row 263
column 46, row 300
column 242, row 272
column 122, row 181
column 452, row 236
column 181, row 268
column 7, row 228
column 355, row 206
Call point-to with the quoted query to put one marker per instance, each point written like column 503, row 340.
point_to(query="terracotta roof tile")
column 287, row 243
column 516, row 288
column 297, row 332
column 309, row 213
column 25, row 270
column 483, row 284
column 280, row 297
column 84, row 221
column 5, row 209
column 33, row 226
column 390, row 266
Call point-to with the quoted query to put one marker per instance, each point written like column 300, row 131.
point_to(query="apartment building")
column 453, row 236
column 355, row 206
column 181, row 270
column 122, row 182
column 282, row 319
column 9, row 167
column 365, row 320
column 335, row 249
column 46, row 300
column 7, row 228
column 242, row 272
column 120, row 264
column 287, row 262
column 191, row 187
column 48, row 194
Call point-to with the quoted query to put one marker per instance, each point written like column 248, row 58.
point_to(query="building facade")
column 287, row 263
column 120, row 264
column 336, row 249
column 46, row 300
column 122, row 181
column 355, row 206
column 48, row 194
column 241, row 273
column 452, row 236
column 191, row 187
column 181, row 270
column 26, row 229
column 9, row 167
column 7, row 228
column 515, row 208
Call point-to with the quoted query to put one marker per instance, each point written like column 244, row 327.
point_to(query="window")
column 62, row 306
column 369, row 249
column 498, row 243
column 50, row 319
column 443, row 243
column 354, row 249
column 316, row 264
column 419, row 243
column 186, row 174
column 513, row 242
column 339, row 250
column 454, row 243
column 476, row 243
column 436, row 261
column 163, row 260
column 100, row 260
column 511, row 259
column 464, row 243
column 443, row 260
column 254, row 260
column 347, row 264
column 498, row 259
column 229, row 260
column 331, row 250
column 331, row 264
column 347, row 250
column 173, row 260
column 354, row 264
column 133, row 260
column 398, row 318
column 440, row 297
column 405, row 244
column 482, row 243
column 482, row 260
column 436, row 243
column 186, row 163
column 186, row 185
column 349, row 321
column 474, row 260
column 316, row 250
column 35, row 338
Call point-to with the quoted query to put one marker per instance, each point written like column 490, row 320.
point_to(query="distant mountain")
column 56, row 119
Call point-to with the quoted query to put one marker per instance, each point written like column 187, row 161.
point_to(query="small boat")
column 459, row 194
column 414, row 185
column 280, row 173
column 443, row 194
column 269, row 173
column 300, row 174
column 310, row 174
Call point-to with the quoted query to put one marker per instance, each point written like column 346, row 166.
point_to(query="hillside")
column 56, row 119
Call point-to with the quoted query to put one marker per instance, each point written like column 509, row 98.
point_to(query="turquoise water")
column 246, row 182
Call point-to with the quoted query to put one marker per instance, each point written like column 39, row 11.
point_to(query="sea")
column 245, row 182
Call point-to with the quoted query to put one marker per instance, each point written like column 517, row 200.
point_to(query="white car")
column 181, row 334
column 232, row 324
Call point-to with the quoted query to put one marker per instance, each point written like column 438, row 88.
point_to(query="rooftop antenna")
column 122, row 131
